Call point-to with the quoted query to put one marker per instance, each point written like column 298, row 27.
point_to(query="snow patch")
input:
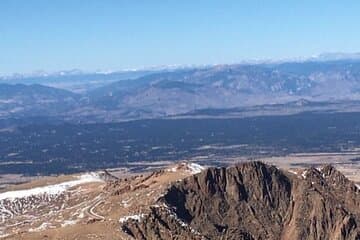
column 189, row 167
column 68, row 223
column 51, row 189
column 173, row 215
column 304, row 174
column 292, row 171
column 174, row 169
column 137, row 217
column 42, row 227
column 195, row 168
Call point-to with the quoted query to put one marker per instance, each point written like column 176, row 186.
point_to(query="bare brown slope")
column 254, row 201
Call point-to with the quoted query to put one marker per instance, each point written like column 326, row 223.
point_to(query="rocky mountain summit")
column 250, row 200
column 253, row 201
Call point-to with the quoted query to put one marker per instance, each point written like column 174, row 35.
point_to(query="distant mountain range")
column 171, row 92
column 336, row 56
column 35, row 100
column 80, row 81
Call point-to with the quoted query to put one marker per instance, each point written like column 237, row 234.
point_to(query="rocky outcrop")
column 254, row 201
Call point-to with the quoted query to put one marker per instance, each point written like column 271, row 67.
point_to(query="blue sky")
column 110, row 35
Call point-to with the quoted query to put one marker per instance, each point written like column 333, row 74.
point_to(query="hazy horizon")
column 314, row 57
column 111, row 35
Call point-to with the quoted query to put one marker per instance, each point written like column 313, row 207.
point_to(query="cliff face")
column 254, row 201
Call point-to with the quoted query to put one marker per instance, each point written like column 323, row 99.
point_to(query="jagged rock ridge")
column 253, row 201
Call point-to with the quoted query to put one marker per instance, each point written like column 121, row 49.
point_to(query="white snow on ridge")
column 173, row 169
column 133, row 217
column 304, row 174
column 195, row 168
column 50, row 189
column 292, row 171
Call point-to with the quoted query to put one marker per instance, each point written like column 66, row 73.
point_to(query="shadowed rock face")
column 254, row 201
